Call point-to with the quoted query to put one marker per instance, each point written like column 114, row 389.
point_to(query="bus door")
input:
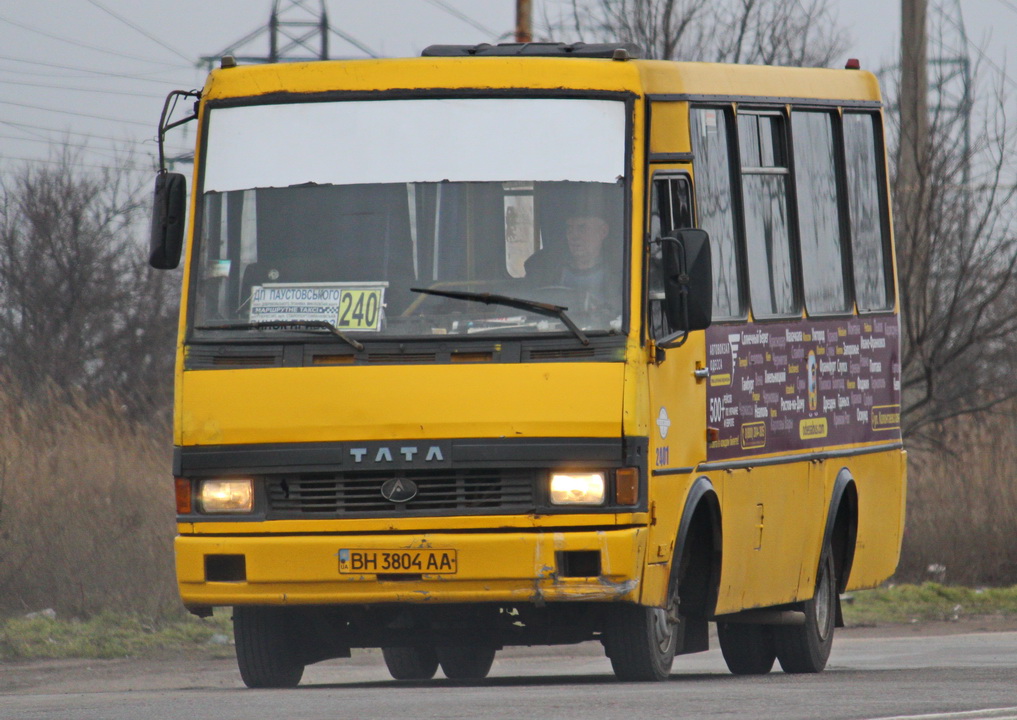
column 677, row 391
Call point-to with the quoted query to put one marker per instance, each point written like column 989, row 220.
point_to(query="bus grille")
column 461, row 492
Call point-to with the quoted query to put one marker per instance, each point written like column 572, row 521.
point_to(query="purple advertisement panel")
column 779, row 387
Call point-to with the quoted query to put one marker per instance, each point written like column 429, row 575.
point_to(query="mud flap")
column 696, row 637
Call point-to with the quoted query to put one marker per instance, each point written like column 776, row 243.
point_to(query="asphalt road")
column 967, row 676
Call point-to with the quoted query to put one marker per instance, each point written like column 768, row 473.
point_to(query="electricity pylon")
column 296, row 32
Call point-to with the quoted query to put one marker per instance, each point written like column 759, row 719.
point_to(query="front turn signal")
column 183, row 492
column 626, row 486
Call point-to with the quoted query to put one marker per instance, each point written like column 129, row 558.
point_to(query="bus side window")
column 767, row 225
column 670, row 209
column 712, row 171
column 819, row 225
column 868, row 243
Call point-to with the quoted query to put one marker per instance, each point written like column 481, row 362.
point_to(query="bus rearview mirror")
column 688, row 280
column 168, row 209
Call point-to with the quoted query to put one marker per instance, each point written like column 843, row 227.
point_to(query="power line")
column 1008, row 4
column 995, row 66
column 38, row 129
column 110, row 153
column 131, row 25
column 464, row 17
column 78, row 43
column 78, row 114
column 101, row 73
column 27, row 130
column 75, row 163
column 88, row 90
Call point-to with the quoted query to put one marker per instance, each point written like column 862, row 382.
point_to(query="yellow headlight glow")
column 577, row 488
column 235, row 495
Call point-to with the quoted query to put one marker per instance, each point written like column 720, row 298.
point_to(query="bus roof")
column 654, row 78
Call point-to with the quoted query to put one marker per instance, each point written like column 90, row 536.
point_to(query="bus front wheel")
column 806, row 648
column 266, row 642
column 641, row 641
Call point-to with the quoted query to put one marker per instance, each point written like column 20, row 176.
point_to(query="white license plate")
column 397, row 562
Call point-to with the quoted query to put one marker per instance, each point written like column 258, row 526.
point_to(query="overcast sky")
column 93, row 73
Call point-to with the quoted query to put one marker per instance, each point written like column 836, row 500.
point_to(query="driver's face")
column 586, row 234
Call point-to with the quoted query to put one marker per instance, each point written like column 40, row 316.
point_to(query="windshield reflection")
column 349, row 255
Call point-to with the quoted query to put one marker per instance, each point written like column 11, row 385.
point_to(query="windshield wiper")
column 284, row 324
column 556, row 311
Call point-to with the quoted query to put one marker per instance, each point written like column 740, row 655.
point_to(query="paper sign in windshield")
column 347, row 306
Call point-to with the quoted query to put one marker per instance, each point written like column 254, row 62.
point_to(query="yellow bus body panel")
column 639, row 77
column 416, row 74
column 491, row 567
column 772, row 514
column 755, row 81
column 882, row 488
column 309, row 404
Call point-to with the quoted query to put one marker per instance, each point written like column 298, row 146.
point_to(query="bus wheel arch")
column 698, row 551
column 841, row 532
column 642, row 641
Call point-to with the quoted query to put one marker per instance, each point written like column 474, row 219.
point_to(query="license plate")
column 396, row 562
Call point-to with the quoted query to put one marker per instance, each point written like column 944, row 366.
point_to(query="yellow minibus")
column 533, row 344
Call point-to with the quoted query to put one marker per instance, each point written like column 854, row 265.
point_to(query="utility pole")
column 524, row 21
column 914, row 94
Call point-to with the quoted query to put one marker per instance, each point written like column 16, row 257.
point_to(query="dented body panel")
column 517, row 567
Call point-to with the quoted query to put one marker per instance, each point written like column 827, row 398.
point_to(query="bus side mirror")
column 168, row 210
column 688, row 280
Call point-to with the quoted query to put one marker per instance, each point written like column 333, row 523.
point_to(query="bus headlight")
column 577, row 488
column 235, row 495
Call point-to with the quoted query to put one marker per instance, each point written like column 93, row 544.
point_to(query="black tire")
column 465, row 662
column 411, row 663
column 747, row 649
column 267, row 647
column 806, row 648
column 641, row 641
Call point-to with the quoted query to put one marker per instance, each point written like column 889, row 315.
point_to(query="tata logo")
column 399, row 490
column 407, row 453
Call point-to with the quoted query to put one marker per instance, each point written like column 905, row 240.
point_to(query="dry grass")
column 114, row 635
column 86, row 510
column 928, row 602
column 87, row 515
column 961, row 524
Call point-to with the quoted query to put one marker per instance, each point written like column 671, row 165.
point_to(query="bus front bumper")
column 511, row 567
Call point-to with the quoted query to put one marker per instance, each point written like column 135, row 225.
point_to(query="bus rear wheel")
column 461, row 662
column 266, row 645
column 806, row 648
column 411, row 663
column 747, row 649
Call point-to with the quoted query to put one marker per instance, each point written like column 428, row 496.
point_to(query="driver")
column 581, row 266
column 585, row 268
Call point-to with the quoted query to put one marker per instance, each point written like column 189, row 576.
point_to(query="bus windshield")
column 341, row 211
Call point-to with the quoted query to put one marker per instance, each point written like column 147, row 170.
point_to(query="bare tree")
column 801, row 33
column 79, row 306
column 770, row 32
column 957, row 260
